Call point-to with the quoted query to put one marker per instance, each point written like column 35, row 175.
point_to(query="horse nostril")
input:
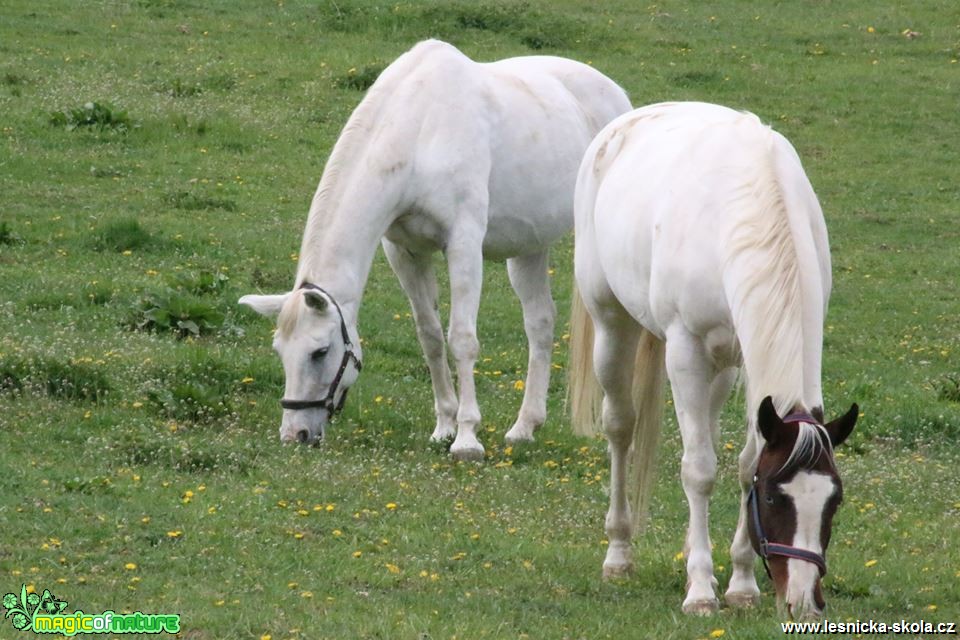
column 302, row 435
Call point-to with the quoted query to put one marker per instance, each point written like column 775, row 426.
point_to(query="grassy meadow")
column 157, row 159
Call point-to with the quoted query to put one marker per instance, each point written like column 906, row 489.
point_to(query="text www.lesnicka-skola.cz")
column 868, row 627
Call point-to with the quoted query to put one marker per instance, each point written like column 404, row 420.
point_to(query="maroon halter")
column 768, row 548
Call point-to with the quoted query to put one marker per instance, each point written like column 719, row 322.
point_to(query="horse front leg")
column 528, row 275
column 465, row 262
column 743, row 591
column 691, row 376
column 419, row 282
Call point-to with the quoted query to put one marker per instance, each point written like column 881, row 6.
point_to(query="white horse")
column 700, row 246
column 442, row 154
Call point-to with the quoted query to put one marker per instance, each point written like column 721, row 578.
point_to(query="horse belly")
column 525, row 229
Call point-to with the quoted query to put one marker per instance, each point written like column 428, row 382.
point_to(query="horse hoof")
column 617, row 571
column 441, row 435
column 742, row 600
column 467, row 454
column 701, row 607
column 516, row 435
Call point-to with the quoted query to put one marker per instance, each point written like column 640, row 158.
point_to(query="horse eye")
column 769, row 499
column 318, row 355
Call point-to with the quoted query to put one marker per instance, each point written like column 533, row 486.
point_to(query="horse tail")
column 649, row 375
column 583, row 390
column 584, row 396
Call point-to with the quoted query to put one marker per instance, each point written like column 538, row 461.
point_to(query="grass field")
column 157, row 158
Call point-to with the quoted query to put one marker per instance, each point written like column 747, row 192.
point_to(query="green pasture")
column 157, row 159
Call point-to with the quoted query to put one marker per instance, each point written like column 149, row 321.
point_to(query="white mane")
column 766, row 300
column 812, row 442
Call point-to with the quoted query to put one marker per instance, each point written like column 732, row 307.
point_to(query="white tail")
column 585, row 395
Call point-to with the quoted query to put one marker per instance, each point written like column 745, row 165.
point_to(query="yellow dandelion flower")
column 306, row 594
column 869, row 563
column 716, row 633
column 392, row 568
column 931, row 607
column 391, row 506
column 130, row 566
column 357, row 553
column 266, row 636
column 176, row 533
column 518, row 385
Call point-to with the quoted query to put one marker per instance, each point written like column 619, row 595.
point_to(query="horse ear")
column 315, row 300
column 268, row 306
column 841, row 428
column 769, row 422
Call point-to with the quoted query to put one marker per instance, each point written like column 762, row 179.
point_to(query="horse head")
column 795, row 494
column 321, row 358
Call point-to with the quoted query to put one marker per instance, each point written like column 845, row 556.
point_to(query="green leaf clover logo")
column 23, row 609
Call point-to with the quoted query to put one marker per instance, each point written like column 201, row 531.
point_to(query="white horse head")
column 321, row 358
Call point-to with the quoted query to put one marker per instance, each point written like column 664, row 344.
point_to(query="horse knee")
column 539, row 330
column 431, row 340
column 464, row 344
column 699, row 472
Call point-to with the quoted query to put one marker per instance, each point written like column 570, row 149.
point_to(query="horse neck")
column 350, row 213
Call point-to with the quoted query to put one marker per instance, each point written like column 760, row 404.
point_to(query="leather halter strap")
column 348, row 357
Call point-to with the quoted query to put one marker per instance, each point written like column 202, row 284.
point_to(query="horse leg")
column 528, row 275
column 465, row 262
column 614, row 353
column 743, row 590
column 691, row 377
column 419, row 281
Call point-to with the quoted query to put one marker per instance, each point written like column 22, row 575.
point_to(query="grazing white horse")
column 442, row 154
column 701, row 247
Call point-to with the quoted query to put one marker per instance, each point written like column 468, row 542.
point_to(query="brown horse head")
column 796, row 492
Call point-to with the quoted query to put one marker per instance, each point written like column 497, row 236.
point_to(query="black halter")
column 768, row 548
column 348, row 357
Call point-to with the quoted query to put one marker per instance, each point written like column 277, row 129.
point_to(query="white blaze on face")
column 810, row 492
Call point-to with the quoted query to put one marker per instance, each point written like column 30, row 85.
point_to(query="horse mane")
column 766, row 300
column 289, row 314
column 348, row 148
column 812, row 442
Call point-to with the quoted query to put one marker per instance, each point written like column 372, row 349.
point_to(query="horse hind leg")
column 691, row 378
column 419, row 282
column 614, row 354
column 528, row 275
